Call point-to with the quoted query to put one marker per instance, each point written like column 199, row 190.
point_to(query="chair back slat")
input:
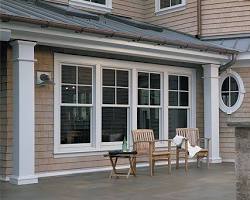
column 192, row 134
column 143, row 136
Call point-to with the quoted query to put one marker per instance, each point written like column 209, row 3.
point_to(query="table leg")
column 113, row 162
column 132, row 165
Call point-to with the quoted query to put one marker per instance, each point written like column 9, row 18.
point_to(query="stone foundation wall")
column 242, row 163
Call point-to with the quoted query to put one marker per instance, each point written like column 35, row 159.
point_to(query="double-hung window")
column 115, row 104
column 149, row 101
column 164, row 6
column 76, row 104
column 98, row 5
column 179, row 103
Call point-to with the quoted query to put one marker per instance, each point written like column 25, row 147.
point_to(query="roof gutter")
column 108, row 33
column 228, row 64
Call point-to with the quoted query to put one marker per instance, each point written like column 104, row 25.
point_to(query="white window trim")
column 236, row 106
column 191, row 108
column 161, row 135
column 159, row 11
column 134, row 67
column 116, row 145
column 92, row 5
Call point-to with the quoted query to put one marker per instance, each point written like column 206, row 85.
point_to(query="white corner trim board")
column 23, row 113
column 211, row 110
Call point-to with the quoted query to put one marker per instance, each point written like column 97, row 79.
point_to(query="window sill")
column 74, row 150
column 172, row 9
column 90, row 5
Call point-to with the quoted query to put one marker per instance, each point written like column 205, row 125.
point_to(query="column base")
column 23, row 180
column 215, row 160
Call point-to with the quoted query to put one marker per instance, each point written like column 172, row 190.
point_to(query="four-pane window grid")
column 149, row 101
column 169, row 3
column 229, row 91
column 76, row 104
column 115, row 104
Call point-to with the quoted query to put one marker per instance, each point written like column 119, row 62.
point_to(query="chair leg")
column 186, row 162
column 207, row 161
column 177, row 158
column 169, row 165
column 134, row 165
column 151, row 166
column 197, row 162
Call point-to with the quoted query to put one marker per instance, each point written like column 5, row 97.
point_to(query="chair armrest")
column 206, row 141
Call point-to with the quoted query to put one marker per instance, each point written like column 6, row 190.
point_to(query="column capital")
column 22, row 42
column 211, row 65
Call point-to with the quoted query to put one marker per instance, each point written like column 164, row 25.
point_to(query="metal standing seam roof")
column 69, row 16
column 241, row 44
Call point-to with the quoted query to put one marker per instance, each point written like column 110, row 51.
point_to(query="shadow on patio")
column 216, row 183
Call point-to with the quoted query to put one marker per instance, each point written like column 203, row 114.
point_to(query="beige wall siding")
column 129, row 8
column 3, row 110
column 227, row 137
column 44, row 123
column 220, row 17
column 6, row 116
column 199, row 102
column 184, row 20
column 44, row 148
column 45, row 161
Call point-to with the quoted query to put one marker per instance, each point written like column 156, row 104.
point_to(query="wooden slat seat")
column 158, row 153
column 144, row 144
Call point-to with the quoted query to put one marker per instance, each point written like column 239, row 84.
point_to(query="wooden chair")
column 144, row 144
column 191, row 135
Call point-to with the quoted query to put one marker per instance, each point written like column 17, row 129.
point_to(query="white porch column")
column 23, row 113
column 211, row 110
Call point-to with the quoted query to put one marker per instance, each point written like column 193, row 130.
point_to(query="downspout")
column 225, row 66
column 199, row 16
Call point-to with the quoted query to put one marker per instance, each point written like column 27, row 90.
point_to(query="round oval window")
column 231, row 92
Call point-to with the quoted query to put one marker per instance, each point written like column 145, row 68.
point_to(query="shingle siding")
column 183, row 20
column 130, row 8
column 222, row 17
column 5, row 111
column 44, row 123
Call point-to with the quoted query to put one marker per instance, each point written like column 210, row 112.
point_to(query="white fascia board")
column 69, row 39
column 5, row 34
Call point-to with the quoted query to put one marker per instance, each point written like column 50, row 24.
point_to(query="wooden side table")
column 115, row 155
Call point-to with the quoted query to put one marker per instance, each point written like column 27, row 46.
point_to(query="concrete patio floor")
column 216, row 183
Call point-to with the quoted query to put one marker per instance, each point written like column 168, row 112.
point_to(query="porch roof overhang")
column 102, row 33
